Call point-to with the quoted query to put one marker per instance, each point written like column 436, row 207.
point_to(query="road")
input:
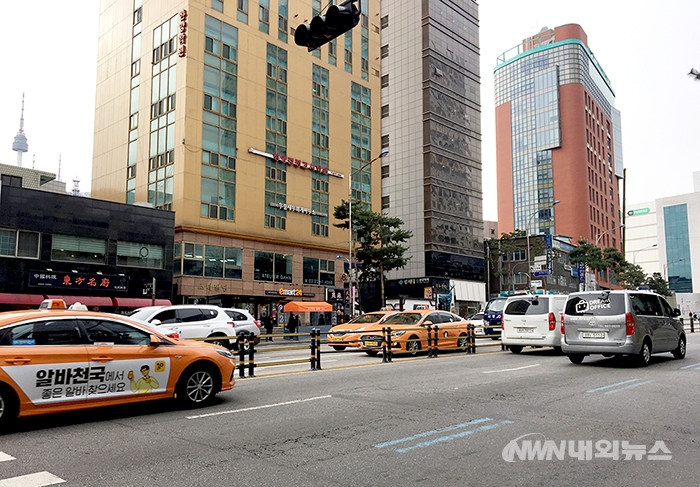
column 453, row 420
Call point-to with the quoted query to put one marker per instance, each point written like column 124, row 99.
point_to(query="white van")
column 532, row 320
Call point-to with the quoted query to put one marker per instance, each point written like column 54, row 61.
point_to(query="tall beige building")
column 208, row 108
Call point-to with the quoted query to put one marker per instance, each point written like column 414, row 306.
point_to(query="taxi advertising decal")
column 51, row 383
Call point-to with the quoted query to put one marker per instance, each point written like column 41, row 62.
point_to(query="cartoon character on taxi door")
column 144, row 384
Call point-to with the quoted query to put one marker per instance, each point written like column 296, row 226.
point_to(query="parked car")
column 477, row 319
column 192, row 321
column 348, row 334
column 409, row 328
column 634, row 323
column 243, row 321
column 493, row 312
column 57, row 360
column 532, row 320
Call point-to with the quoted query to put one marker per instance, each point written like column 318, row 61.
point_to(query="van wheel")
column 576, row 358
column 8, row 407
column 516, row 349
column 679, row 352
column 644, row 356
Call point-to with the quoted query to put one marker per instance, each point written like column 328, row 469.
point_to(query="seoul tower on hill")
column 20, row 144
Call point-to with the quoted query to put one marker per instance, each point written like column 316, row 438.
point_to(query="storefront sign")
column 289, row 292
column 213, row 287
column 182, row 35
column 79, row 280
column 297, row 209
column 290, row 161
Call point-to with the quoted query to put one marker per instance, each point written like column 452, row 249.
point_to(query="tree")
column 632, row 276
column 588, row 254
column 658, row 284
column 380, row 237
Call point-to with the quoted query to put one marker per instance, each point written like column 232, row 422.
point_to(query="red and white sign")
column 290, row 161
column 182, row 36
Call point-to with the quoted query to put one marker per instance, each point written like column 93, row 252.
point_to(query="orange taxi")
column 409, row 332
column 56, row 359
column 348, row 334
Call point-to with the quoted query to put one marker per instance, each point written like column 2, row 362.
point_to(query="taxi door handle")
column 102, row 359
column 18, row 360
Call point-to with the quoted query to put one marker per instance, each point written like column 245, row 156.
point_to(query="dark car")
column 493, row 313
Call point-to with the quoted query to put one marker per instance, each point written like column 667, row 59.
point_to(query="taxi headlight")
column 224, row 352
column 398, row 333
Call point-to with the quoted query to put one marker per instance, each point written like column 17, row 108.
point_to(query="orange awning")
column 307, row 307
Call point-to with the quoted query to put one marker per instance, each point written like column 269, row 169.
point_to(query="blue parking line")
column 613, row 385
column 453, row 437
column 689, row 366
column 629, row 387
column 432, row 432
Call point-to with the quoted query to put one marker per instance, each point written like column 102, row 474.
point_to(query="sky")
column 645, row 47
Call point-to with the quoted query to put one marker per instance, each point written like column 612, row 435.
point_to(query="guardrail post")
column 384, row 342
column 430, row 341
column 312, row 346
column 318, row 349
column 471, row 338
column 389, row 353
column 251, row 355
column 240, row 340
column 692, row 325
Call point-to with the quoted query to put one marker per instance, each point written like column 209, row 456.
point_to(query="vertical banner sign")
column 581, row 273
column 548, row 248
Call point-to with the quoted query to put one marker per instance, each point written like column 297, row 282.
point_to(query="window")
column 384, row 22
column 385, row 111
column 193, row 261
column 218, row 5
column 385, row 80
column 385, row 202
column 113, row 332
column 264, row 266
column 385, row 141
column 242, row 14
column 134, row 254
column 138, row 15
column 18, row 243
column 319, row 271
column 385, row 171
column 209, row 261
column 282, row 20
column 384, row 51
column 78, row 249
column 213, row 261
column 264, row 16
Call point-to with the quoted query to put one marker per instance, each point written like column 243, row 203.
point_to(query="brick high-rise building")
column 558, row 140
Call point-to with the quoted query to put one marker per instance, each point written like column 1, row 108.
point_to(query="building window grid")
column 19, row 243
column 320, row 146
column 283, row 20
column 276, row 137
column 361, row 147
column 264, row 16
column 242, row 11
column 199, row 260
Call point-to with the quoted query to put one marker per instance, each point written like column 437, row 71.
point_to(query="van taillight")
column 629, row 324
column 552, row 322
column 503, row 326
column 562, row 325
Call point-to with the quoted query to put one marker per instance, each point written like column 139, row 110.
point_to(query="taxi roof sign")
column 53, row 304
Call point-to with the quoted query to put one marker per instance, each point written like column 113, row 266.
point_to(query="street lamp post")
column 666, row 267
column 600, row 235
column 634, row 254
column 350, row 277
column 527, row 230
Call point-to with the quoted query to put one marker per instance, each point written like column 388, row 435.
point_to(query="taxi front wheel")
column 197, row 386
column 8, row 406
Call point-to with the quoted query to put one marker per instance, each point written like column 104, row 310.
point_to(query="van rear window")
column 597, row 304
column 528, row 307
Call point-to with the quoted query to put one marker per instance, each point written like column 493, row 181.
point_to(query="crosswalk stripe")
column 38, row 479
column 4, row 457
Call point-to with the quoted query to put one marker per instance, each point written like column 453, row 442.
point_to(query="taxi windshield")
column 404, row 319
column 368, row 318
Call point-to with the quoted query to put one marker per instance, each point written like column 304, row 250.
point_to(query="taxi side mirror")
column 155, row 341
column 428, row 322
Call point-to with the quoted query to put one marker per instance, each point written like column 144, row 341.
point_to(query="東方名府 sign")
column 79, row 280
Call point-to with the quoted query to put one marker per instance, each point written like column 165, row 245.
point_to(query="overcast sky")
column 645, row 47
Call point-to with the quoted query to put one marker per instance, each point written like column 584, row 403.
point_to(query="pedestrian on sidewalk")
column 269, row 325
column 321, row 320
column 292, row 325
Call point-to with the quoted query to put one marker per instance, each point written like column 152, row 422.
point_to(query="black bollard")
column 384, row 342
column 318, row 349
column 251, row 355
column 389, row 353
column 312, row 346
column 241, row 354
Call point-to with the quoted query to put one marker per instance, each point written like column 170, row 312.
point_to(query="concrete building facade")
column 208, row 108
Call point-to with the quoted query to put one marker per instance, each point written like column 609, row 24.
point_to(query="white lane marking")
column 265, row 406
column 509, row 370
column 689, row 366
column 261, row 364
column 5, row 457
column 612, row 385
column 32, row 480
column 615, row 391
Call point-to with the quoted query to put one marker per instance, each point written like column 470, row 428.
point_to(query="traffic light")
column 323, row 28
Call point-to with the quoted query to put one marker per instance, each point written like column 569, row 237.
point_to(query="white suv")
column 192, row 321
column 244, row 321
